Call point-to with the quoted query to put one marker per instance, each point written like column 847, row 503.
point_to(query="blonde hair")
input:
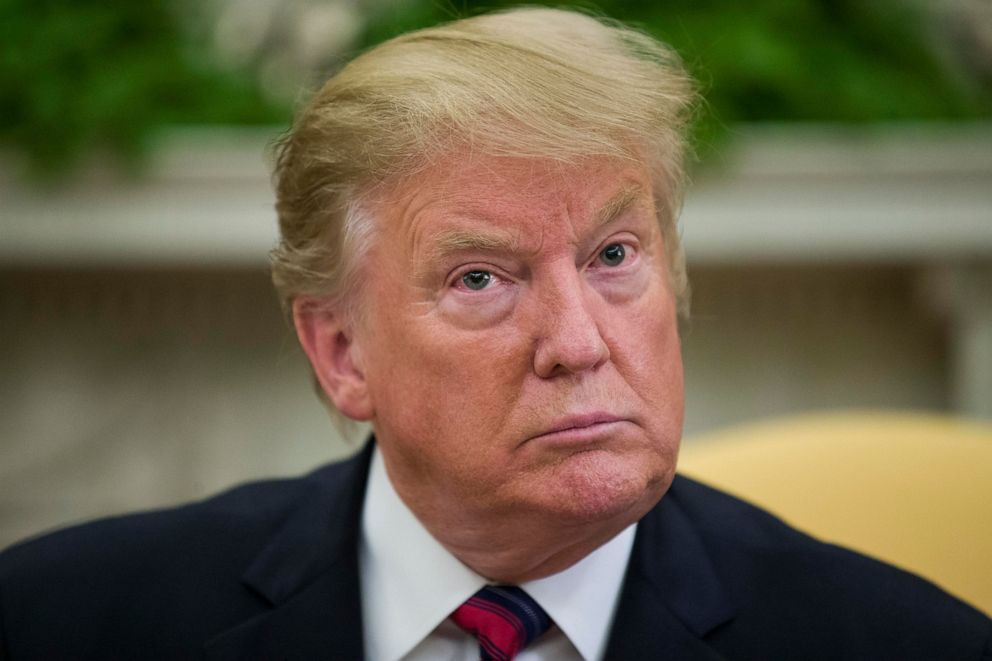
column 529, row 82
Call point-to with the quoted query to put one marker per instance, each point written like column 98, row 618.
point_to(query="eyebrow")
column 455, row 241
column 617, row 204
column 459, row 240
column 467, row 240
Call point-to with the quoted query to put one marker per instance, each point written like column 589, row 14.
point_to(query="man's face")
column 519, row 342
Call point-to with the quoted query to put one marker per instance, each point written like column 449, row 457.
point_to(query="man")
column 480, row 258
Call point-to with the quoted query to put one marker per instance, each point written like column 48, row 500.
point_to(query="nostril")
column 571, row 349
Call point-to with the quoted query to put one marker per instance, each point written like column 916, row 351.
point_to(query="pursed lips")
column 579, row 427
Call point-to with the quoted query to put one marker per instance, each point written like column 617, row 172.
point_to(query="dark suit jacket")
column 270, row 570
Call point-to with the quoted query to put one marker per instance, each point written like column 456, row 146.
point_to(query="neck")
column 512, row 535
column 526, row 560
column 517, row 547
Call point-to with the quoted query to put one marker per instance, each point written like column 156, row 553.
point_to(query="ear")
column 335, row 358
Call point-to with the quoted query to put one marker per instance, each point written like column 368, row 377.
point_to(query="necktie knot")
column 504, row 619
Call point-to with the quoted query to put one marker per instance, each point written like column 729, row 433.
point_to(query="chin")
column 597, row 486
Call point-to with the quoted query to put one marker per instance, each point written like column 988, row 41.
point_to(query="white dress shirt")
column 411, row 584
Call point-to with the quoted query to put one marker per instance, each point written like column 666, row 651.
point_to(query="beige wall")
column 143, row 359
column 135, row 388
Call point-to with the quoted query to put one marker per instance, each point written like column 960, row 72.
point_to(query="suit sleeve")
column 3, row 637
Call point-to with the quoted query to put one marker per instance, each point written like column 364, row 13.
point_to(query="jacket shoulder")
column 169, row 577
column 223, row 522
column 788, row 586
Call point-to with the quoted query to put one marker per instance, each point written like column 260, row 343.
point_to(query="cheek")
column 443, row 381
column 648, row 351
column 447, row 406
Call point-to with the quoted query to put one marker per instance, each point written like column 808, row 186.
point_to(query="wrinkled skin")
column 517, row 355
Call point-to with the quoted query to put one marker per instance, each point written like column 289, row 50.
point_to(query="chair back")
column 914, row 490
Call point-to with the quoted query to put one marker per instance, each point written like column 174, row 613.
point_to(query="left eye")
column 477, row 280
column 613, row 254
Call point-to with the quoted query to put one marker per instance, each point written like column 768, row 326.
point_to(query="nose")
column 570, row 340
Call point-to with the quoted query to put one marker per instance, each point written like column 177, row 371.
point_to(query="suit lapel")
column 319, row 622
column 672, row 596
column 309, row 576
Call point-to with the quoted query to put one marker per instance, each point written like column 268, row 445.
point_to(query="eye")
column 476, row 280
column 613, row 254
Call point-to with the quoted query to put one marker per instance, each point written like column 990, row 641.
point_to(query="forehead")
column 493, row 195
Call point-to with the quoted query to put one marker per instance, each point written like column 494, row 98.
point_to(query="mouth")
column 581, row 428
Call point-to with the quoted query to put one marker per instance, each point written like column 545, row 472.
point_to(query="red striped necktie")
column 505, row 620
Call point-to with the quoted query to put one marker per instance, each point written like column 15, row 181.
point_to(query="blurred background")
column 839, row 229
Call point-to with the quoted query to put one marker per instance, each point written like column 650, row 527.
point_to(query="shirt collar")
column 411, row 583
column 582, row 599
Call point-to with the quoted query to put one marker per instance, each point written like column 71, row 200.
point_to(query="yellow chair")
column 912, row 489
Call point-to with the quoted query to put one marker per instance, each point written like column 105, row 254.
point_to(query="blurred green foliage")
column 777, row 60
column 78, row 74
